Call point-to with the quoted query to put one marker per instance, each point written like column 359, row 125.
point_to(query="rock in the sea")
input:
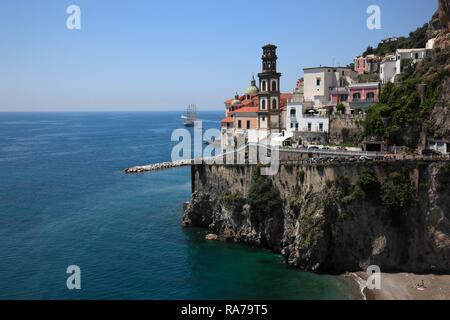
column 212, row 237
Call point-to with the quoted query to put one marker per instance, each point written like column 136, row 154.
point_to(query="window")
column 417, row 55
column 263, row 86
column 263, row 104
column 292, row 125
column 239, row 124
column 309, row 126
column 321, row 127
column 274, row 104
column 248, row 124
column 293, row 112
column 296, row 126
column 371, row 96
column 274, row 86
column 318, row 81
column 264, row 119
column 344, row 97
column 357, row 96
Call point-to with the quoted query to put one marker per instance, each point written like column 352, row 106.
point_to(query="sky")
column 144, row 55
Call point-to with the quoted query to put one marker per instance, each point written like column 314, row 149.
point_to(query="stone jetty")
column 159, row 166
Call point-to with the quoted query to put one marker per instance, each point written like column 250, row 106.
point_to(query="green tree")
column 340, row 108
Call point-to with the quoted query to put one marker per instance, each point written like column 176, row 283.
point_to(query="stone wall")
column 346, row 129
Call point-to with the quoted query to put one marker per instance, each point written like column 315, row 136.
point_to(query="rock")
column 317, row 231
column 212, row 237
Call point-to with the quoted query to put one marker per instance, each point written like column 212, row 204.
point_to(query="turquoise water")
column 64, row 200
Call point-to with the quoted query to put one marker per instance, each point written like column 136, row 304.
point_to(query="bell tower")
column 269, row 95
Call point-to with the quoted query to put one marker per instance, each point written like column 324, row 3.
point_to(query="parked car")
column 430, row 152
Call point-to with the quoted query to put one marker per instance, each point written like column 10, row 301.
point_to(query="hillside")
column 416, row 39
column 416, row 108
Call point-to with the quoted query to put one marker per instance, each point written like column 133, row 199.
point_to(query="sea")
column 65, row 201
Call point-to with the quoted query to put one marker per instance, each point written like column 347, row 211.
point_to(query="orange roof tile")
column 248, row 110
column 227, row 120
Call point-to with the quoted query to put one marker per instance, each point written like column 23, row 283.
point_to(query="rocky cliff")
column 331, row 219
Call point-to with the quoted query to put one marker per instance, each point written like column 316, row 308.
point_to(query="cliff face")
column 337, row 218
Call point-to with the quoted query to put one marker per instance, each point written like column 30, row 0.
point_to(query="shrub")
column 340, row 108
column 263, row 197
column 368, row 182
column 397, row 192
column 233, row 201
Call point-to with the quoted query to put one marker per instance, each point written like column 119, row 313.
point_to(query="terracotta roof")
column 284, row 100
column 247, row 102
column 227, row 120
column 248, row 110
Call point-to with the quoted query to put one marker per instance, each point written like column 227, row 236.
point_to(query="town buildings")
column 258, row 115
column 320, row 81
column 326, row 100
column 367, row 64
column 388, row 69
column 363, row 95
column 403, row 57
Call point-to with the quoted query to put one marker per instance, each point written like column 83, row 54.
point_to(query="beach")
column 404, row 286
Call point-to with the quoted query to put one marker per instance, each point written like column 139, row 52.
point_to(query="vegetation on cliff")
column 416, row 39
column 397, row 193
column 264, row 199
column 403, row 109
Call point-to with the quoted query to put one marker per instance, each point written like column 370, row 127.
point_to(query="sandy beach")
column 406, row 286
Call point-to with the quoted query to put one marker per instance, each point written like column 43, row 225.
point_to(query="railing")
column 314, row 116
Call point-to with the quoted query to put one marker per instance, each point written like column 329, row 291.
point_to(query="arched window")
column 274, row 85
column 357, row 96
column 370, row 96
column 263, row 104
column 274, row 104
column 263, row 86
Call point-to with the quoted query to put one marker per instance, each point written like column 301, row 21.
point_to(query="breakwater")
column 159, row 166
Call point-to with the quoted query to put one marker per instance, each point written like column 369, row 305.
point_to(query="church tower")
column 269, row 95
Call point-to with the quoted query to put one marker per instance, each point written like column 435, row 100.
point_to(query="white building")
column 430, row 44
column 320, row 81
column 413, row 55
column 299, row 121
column 388, row 69
column 439, row 145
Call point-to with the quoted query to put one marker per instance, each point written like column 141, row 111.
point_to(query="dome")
column 236, row 102
column 252, row 90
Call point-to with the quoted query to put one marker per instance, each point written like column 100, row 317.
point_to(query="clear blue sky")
column 161, row 55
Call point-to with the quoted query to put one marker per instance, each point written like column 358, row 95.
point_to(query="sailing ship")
column 191, row 116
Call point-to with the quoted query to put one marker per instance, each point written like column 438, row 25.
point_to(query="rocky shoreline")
column 323, row 223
